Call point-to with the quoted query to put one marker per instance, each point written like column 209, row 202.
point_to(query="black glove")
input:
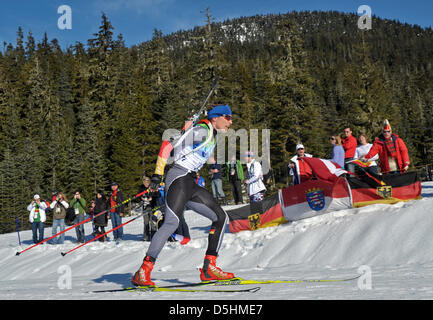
column 155, row 182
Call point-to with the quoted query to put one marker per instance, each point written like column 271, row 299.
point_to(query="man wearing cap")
column 393, row 153
column 37, row 217
column 191, row 151
column 298, row 168
column 116, row 214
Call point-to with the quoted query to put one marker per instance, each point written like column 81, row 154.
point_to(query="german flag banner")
column 317, row 197
column 394, row 188
column 262, row 214
column 314, row 197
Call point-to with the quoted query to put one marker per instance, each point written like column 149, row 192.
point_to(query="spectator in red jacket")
column 349, row 143
column 393, row 154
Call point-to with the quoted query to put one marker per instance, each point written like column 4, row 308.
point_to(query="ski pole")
column 18, row 230
column 84, row 221
column 193, row 119
column 103, row 234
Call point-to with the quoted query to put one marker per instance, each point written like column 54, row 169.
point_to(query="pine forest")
column 83, row 116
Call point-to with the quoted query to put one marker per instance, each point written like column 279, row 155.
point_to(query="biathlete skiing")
column 191, row 151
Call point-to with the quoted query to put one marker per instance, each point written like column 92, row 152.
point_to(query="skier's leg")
column 203, row 203
column 217, row 215
column 177, row 195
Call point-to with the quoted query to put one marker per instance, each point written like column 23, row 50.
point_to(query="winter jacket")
column 379, row 147
column 59, row 209
column 36, row 215
column 116, row 198
column 349, row 145
column 297, row 172
column 255, row 177
column 338, row 155
column 146, row 202
column 239, row 171
column 100, row 206
column 362, row 150
column 79, row 204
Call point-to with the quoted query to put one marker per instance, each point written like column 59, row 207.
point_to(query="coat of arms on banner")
column 254, row 220
column 384, row 191
column 315, row 199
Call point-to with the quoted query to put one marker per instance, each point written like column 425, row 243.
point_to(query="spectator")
column 79, row 205
column 298, row 168
column 59, row 205
column 37, row 218
column 337, row 150
column 363, row 149
column 149, row 202
column 429, row 172
column 393, row 153
column 200, row 180
column 349, row 145
column 101, row 220
column 116, row 214
column 161, row 199
column 254, row 181
column 235, row 175
column 217, row 182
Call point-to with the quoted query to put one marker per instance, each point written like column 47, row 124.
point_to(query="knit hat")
column 386, row 125
column 219, row 111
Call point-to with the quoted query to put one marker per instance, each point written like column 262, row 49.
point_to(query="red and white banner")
column 314, row 197
column 325, row 169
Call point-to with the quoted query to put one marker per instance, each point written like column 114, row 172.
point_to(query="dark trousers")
column 236, row 190
column 348, row 165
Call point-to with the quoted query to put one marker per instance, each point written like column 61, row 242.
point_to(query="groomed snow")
column 394, row 242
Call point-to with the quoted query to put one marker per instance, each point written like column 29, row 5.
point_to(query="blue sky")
column 136, row 19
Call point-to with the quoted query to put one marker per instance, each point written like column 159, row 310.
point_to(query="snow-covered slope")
column 394, row 242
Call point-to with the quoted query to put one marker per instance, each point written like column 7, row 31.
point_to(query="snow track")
column 394, row 241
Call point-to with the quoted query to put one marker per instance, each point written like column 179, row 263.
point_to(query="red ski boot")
column 211, row 272
column 142, row 276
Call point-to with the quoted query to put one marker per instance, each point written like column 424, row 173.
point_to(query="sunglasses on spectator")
column 386, row 131
column 331, row 138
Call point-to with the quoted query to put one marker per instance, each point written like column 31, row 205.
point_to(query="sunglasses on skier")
column 227, row 117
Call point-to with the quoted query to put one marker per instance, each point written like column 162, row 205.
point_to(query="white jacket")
column 362, row 150
column 32, row 206
column 296, row 162
column 255, row 178
column 63, row 202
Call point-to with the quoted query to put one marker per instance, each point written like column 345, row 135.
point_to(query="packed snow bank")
column 387, row 238
column 374, row 235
